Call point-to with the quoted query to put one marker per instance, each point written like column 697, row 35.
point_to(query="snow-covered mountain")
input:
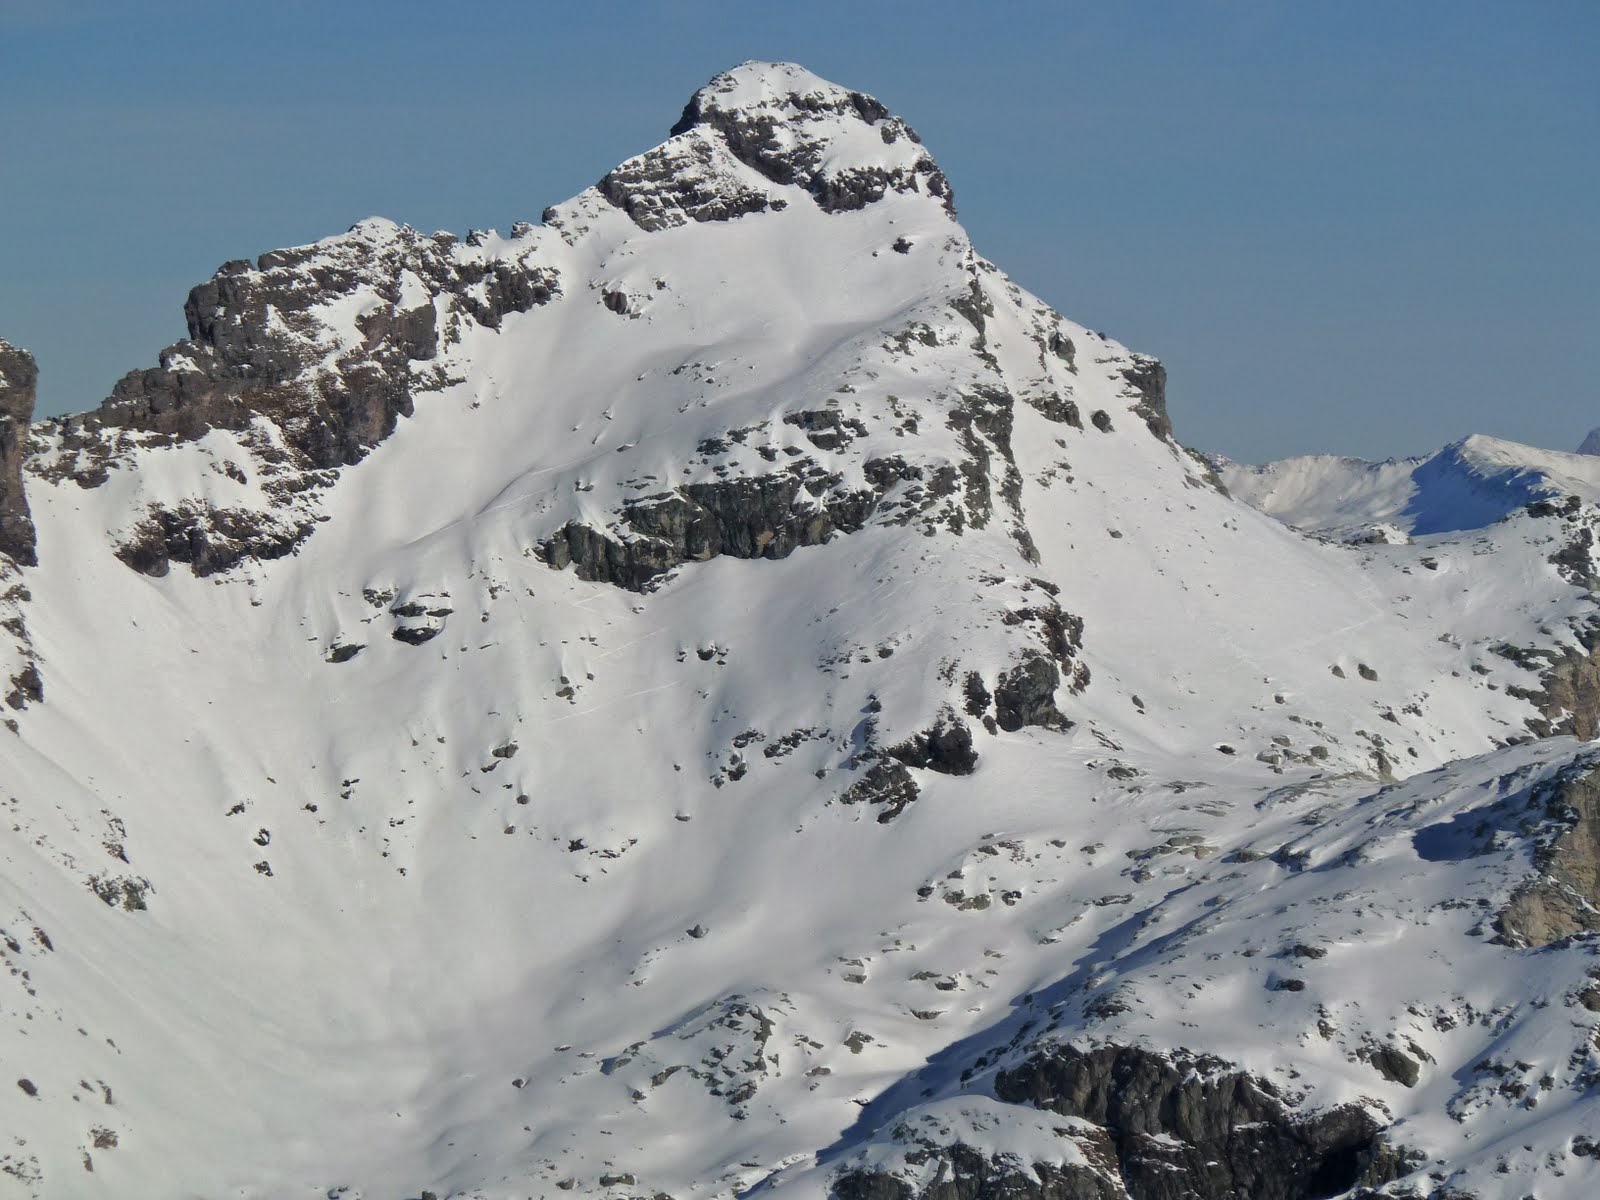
column 721, row 692
column 1467, row 485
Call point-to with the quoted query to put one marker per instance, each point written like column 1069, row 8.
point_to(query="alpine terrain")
column 722, row 693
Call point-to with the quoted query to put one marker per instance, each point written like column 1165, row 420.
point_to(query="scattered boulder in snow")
column 886, row 783
column 945, row 748
column 1026, row 695
column 26, row 687
column 1395, row 1065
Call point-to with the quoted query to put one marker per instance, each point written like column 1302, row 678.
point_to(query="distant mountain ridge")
column 1467, row 485
column 722, row 693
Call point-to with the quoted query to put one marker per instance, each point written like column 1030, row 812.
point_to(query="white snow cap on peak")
column 756, row 84
column 1591, row 444
column 795, row 127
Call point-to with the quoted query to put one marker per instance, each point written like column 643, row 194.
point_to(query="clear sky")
column 1357, row 227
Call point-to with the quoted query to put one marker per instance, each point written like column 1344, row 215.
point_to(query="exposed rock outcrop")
column 1183, row 1125
column 684, row 180
column 257, row 346
column 270, row 358
column 727, row 1047
column 762, row 516
column 886, row 784
column 1026, row 695
column 209, row 540
column 19, row 377
column 1564, row 898
column 946, row 747
column 1147, row 381
column 1568, row 698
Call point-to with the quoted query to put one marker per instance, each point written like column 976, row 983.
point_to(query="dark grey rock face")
column 886, row 784
column 26, row 687
column 19, row 377
column 258, row 351
column 678, row 182
column 1395, row 1065
column 1147, row 379
column 208, row 540
column 1060, row 409
column 1576, row 558
column 1026, row 695
column 1191, row 1127
column 946, row 747
column 761, row 516
column 253, row 346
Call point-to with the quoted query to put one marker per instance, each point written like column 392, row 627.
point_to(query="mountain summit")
column 796, row 129
column 722, row 691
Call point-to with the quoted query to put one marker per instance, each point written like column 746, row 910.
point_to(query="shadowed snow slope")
column 723, row 690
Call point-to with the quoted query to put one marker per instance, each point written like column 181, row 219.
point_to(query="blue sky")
column 1364, row 228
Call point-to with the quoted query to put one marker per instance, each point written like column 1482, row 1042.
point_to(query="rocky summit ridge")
column 720, row 692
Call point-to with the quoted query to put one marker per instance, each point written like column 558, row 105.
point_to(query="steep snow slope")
column 723, row 690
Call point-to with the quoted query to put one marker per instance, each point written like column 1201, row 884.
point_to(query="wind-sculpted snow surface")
column 721, row 693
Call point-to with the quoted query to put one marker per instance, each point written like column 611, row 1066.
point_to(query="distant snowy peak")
column 1591, row 444
column 1467, row 485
